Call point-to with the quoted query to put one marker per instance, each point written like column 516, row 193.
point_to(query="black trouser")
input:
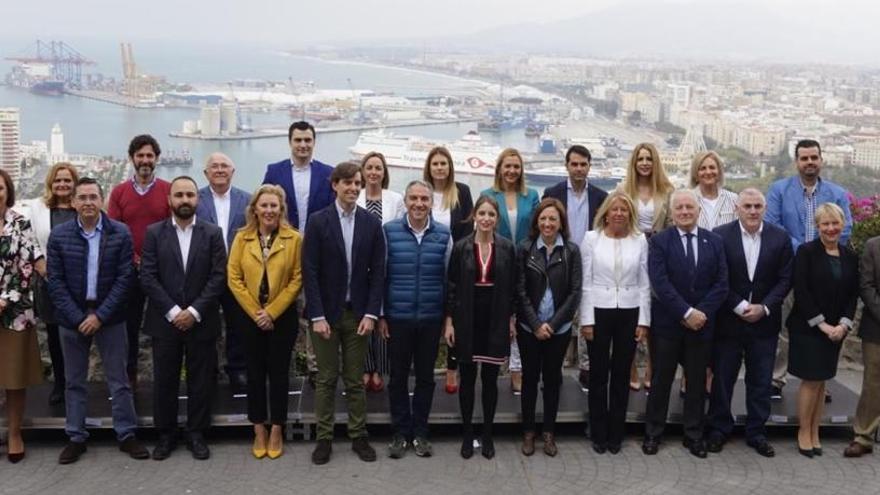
column 412, row 344
column 235, row 319
column 692, row 350
column 611, row 352
column 268, row 356
column 728, row 354
column 541, row 360
column 135, row 311
column 466, row 395
column 201, row 378
column 56, row 355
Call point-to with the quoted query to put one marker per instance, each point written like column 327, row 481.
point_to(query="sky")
column 304, row 23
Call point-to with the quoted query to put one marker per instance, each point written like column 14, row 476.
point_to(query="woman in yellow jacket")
column 265, row 276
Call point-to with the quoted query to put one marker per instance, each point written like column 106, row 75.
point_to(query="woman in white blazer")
column 387, row 206
column 615, row 313
column 44, row 213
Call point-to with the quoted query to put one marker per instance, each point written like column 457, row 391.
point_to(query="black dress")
column 825, row 287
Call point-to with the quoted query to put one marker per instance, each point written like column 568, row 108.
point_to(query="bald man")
column 224, row 205
column 759, row 262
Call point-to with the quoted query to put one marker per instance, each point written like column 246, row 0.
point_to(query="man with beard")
column 139, row 202
column 183, row 273
column 224, row 205
column 791, row 204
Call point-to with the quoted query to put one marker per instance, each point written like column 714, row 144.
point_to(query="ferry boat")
column 470, row 155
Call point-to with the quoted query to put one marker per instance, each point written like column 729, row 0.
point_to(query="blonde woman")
column 615, row 313
column 649, row 187
column 826, row 285
column 717, row 205
column 516, row 203
column 53, row 208
column 265, row 276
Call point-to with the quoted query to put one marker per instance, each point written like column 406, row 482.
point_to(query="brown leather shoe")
column 528, row 446
column 855, row 449
column 550, row 445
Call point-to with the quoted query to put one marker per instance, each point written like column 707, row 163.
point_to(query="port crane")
column 66, row 63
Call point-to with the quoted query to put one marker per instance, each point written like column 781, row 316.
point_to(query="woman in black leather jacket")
column 548, row 294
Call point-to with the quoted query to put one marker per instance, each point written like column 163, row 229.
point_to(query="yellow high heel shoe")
column 259, row 448
column 275, row 453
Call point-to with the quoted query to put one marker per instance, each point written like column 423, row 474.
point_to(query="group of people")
column 702, row 277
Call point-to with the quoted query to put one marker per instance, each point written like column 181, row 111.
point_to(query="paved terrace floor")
column 576, row 470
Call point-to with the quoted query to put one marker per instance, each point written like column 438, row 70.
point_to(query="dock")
column 274, row 133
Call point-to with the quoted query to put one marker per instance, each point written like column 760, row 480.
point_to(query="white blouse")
column 615, row 276
column 646, row 216
column 439, row 213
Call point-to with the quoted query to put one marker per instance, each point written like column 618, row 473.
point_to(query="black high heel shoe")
column 15, row 458
column 467, row 447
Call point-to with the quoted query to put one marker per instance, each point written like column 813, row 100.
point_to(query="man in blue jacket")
column 688, row 273
column 224, row 205
column 415, row 281
column 791, row 204
column 90, row 275
column 305, row 181
column 344, row 277
column 306, row 184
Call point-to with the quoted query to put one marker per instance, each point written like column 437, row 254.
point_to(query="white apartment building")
column 10, row 140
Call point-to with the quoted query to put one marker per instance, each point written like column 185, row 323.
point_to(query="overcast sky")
column 295, row 23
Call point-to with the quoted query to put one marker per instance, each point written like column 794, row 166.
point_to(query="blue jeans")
column 112, row 342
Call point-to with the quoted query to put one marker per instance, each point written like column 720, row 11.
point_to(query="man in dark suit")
column 183, row 274
column 581, row 201
column 344, row 276
column 688, row 273
column 759, row 262
column 224, row 205
column 305, row 181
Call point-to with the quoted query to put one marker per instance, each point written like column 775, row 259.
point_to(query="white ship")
column 470, row 155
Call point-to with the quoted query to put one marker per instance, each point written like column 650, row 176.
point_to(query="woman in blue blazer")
column 517, row 204
column 517, row 201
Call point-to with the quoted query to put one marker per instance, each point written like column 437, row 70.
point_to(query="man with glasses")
column 90, row 275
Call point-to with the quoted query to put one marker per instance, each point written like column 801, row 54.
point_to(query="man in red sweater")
column 138, row 202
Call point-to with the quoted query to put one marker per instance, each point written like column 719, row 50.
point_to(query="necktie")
column 689, row 251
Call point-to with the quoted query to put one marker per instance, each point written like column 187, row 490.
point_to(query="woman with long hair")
column 452, row 206
column 265, row 276
column 479, row 306
column 649, row 187
column 516, row 203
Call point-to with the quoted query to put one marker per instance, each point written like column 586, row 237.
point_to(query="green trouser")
column 868, row 411
column 343, row 334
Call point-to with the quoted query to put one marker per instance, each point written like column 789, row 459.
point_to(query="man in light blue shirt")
column 791, row 204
